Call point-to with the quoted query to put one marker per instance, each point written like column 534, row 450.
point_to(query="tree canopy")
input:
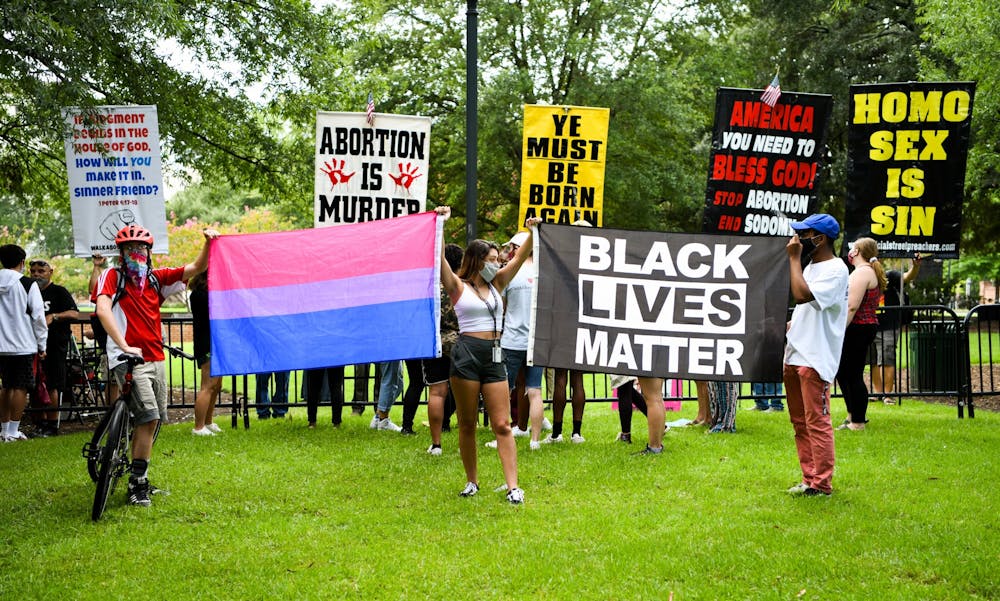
column 238, row 84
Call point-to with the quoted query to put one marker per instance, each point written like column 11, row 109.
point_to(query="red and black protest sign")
column 660, row 304
column 765, row 163
column 906, row 148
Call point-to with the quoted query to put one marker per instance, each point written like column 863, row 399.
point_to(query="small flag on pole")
column 370, row 110
column 772, row 92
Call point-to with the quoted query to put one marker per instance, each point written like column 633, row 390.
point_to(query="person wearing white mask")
column 477, row 366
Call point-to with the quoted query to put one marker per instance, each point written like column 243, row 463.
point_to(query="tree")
column 655, row 69
column 968, row 33
column 60, row 53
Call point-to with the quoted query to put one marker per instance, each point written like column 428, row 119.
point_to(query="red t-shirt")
column 137, row 314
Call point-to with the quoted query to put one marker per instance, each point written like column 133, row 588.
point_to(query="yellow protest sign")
column 562, row 165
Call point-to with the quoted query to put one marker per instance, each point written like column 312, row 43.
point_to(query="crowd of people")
column 486, row 295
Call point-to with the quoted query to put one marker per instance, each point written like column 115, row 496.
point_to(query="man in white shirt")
column 23, row 334
column 813, row 345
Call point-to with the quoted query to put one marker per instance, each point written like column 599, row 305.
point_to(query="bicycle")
column 107, row 452
column 92, row 450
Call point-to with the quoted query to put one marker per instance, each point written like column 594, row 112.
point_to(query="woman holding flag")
column 476, row 360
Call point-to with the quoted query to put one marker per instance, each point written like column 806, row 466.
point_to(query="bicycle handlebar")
column 131, row 359
column 176, row 352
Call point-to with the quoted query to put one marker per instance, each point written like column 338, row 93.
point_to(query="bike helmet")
column 134, row 233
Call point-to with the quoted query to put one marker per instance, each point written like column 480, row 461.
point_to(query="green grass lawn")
column 282, row 512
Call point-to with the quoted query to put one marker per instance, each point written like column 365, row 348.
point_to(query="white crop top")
column 478, row 315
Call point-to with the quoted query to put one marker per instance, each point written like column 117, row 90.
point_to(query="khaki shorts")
column 148, row 401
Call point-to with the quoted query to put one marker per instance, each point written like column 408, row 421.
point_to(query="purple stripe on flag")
column 310, row 297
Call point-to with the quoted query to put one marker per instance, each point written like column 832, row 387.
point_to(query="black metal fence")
column 934, row 353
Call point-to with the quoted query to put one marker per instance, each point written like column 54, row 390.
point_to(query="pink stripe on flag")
column 323, row 254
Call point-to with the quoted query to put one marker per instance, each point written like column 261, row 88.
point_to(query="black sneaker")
column 650, row 451
column 138, row 492
column 815, row 492
column 407, row 432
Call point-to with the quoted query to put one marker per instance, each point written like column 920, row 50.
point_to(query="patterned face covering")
column 136, row 264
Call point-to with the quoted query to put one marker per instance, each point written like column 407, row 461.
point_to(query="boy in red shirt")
column 130, row 312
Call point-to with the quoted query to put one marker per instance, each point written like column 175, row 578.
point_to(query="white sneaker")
column 798, row 489
column 578, row 439
column 433, row 450
column 491, row 444
column 386, row 424
column 214, row 428
column 519, row 433
column 515, row 496
column 202, row 432
column 16, row 436
column 534, row 445
column 550, row 439
column 375, row 421
column 546, row 425
column 470, row 490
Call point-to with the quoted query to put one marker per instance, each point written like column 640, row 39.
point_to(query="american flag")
column 370, row 111
column 772, row 92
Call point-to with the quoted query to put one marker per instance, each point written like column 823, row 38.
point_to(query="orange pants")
column 808, row 400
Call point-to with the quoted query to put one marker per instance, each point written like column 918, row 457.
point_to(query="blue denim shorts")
column 514, row 361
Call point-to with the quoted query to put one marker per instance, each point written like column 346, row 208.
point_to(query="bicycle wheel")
column 112, row 461
column 92, row 450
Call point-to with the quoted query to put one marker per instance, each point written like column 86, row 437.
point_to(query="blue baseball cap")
column 820, row 222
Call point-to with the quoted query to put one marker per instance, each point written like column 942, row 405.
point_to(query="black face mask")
column 808, row 246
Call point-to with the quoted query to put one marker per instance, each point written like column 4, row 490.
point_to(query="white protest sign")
column 366, row 172
column 115, row 175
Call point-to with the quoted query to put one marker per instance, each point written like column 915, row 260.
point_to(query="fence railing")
column 934, row 354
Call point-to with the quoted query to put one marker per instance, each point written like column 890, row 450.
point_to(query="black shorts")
column 436, row 370
column 472, row 359
column 55, row 371
column 17, row 372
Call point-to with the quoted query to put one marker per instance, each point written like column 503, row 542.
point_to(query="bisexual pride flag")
column 325, row 297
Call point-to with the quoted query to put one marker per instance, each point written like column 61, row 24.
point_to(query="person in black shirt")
column 208, row 393
column 889, row 325
column 60, row 312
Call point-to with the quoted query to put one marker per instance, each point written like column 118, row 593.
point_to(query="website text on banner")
column 115, row 175
column 366, row 172
column 907, row 145
column 765, row 164
column 361, row 293
column 562, row 164
column 660, row 304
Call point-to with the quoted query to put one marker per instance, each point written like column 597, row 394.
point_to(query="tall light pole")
column 471, row 121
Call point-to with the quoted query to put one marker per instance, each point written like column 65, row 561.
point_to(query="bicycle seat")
column 131, row 359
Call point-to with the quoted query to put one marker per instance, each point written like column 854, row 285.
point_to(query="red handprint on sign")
column 336, row 172
column 407, row 175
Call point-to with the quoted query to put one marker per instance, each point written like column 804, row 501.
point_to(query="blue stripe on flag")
column 366, row 334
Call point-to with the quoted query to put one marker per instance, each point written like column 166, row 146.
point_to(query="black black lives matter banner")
column 907, row 145
column 660, row 304
column 765, row 164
